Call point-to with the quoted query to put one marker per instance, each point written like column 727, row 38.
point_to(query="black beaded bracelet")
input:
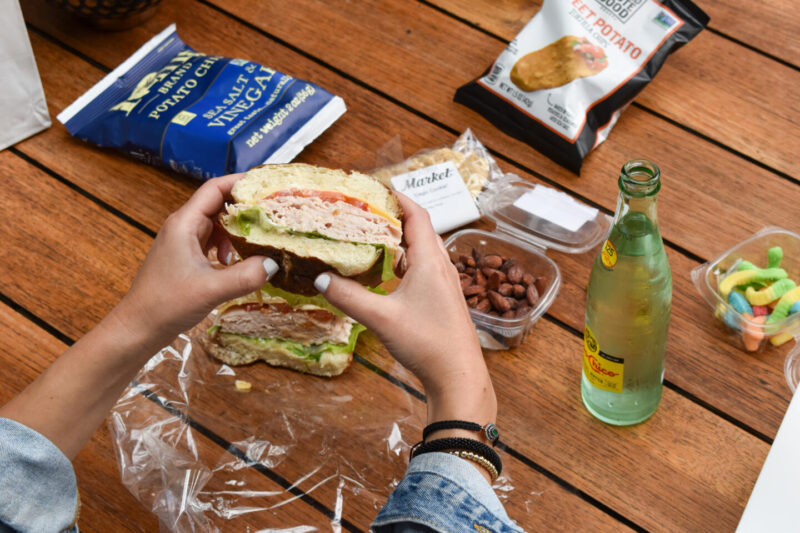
column 490, row 430
column 459, row 443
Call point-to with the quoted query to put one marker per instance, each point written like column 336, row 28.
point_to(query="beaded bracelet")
column 490, row 430
column 458, row 443
column 474, row 457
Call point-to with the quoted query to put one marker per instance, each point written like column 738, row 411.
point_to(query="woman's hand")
column 425, row 324
column 177, row 286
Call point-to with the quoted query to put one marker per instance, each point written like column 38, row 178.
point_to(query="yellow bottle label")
column 602, row 370
column 609, row 254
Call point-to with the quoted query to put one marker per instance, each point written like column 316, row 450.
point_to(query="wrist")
column 135, row 330
column 468, row 397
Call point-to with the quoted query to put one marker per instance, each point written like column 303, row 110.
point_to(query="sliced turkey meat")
column 333, row 215
column 306, row 324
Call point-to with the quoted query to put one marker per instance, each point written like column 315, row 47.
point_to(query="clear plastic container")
column 792, row 368
column 524, row 235
column 707, row 276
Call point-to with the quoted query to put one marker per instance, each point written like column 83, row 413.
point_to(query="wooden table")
column 721, row 119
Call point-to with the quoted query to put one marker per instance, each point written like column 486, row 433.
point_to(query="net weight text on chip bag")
column 562, row 83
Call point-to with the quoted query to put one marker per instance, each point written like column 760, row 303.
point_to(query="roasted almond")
column 460, row 267
column 493, row 261
column 483, row 305
column 532, row 295
column 528, row 279
column 480, row 279
column 513, row 303
column 465, row 282
column 508, row 314
column 508, row 263
column 469, row 271
column 519, row 291
column 495, row 280
column 522, row 310
column 499, row 301
column 541, row 285
column 472, row 302
column 505, row 289
column 515, row 274
column 472, row 290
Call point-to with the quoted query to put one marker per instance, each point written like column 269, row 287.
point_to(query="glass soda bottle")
column 628, row 304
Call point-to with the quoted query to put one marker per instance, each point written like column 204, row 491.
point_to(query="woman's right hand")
column 425, row 324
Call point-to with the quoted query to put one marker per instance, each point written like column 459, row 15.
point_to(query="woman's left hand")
column 177, row 286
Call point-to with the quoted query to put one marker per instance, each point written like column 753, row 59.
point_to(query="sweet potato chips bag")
column 562, row 83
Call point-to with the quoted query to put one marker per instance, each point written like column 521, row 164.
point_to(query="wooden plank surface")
column 691, row 332
column 706, row 180
column 88, row 284
column 25, row 351
column 397, row 64
column 769, row 26
column 374, row 44
column 682, row 418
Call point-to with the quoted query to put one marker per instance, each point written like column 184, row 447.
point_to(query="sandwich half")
column 304, row 333
column 311, row 220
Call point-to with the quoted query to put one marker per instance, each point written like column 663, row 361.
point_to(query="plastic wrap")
column 296, row 453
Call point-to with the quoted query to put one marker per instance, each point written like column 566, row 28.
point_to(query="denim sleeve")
column 442, row 493
column 38, row 491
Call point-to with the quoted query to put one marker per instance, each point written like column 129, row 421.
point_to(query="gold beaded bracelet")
column 475, row 458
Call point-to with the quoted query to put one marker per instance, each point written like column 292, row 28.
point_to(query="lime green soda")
column 628, row 304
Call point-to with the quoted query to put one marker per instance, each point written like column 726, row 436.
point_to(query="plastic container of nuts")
column 507, row 279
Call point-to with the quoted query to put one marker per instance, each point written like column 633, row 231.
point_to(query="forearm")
column 466, row 395
column 68, row 401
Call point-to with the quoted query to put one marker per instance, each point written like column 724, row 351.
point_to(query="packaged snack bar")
column 200, row 115
column 562, row 83
column 445, row 181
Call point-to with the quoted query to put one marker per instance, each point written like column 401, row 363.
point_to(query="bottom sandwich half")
column 303, row 333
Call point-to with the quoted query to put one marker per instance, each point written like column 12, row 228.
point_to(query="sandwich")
column 304, row 333
column 312, row 220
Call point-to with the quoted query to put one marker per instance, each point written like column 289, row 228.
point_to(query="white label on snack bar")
column 440, row 189
column 556, row 72
column 556, row 207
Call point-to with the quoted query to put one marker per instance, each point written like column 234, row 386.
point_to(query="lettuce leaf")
column 387, row 269
column 296, row 300
column 254, row 215
column 312, row 351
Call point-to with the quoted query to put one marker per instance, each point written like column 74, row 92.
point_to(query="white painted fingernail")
column 270, row 267
column 322, row 282
column 228, row 258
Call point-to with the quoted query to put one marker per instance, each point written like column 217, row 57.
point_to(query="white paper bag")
column 23, row 109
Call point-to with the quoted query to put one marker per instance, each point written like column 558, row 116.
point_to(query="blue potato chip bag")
column 200, row 115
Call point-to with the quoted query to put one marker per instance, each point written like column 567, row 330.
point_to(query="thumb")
column 354, row 300
column 241, row 278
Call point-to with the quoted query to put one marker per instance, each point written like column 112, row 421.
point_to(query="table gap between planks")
column 397, row 65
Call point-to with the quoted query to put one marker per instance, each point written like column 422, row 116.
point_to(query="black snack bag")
column 564, row 80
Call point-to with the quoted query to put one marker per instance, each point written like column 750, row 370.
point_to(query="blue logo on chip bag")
column 664, row 19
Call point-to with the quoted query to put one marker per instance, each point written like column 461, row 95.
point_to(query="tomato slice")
column 325, row 196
